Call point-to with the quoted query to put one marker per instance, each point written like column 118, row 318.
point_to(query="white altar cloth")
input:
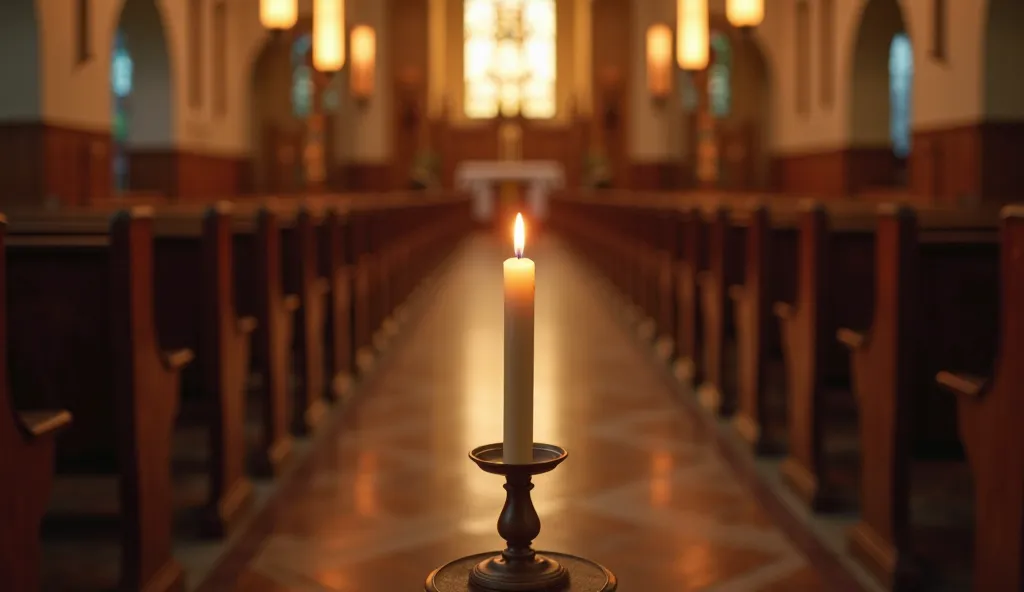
column 480, row 177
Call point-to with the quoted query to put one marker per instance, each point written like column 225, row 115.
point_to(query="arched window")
column 509, row 58
column 720, row 76
column 121, row 78
column 688, row 91
column 901, row 82
column 302, row 77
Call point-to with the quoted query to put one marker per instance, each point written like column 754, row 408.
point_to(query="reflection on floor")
column 390, row 494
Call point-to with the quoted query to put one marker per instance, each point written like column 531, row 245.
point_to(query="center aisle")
column 391, row 494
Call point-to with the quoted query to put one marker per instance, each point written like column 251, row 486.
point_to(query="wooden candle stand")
column 519, row 568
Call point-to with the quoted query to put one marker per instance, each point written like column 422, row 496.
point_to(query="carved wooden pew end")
column 893, row 365
column 27, row 445
column 124, row 394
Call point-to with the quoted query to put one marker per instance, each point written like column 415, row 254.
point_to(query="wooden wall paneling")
column 409, row 55
column 44, row 162
column 611, row 22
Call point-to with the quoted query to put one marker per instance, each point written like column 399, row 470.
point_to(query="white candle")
column 519, row 289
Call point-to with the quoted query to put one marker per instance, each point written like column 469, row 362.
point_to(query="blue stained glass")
column 302, row 77
column 720, row 76
column 901, row 84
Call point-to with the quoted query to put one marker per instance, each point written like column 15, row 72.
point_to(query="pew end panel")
column 27, row 447
column 893, row 366
column 769, row 253
column 990, row 416
column 302, row 278
column 834, row 255
column 100, row 354
column 259, row 293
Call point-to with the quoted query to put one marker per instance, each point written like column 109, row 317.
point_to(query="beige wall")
column 363, row 132
column 947, row 93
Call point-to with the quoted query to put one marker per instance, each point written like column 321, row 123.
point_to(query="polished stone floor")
column 389, row 494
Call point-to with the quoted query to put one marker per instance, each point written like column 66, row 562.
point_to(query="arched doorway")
column 1002, row 130
column 881, row 98
column 293, row 109
column 728, row 108
column 22, row 96
column 22, row 90
column 142, row 101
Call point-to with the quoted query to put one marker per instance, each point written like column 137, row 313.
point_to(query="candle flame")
column 519, row 236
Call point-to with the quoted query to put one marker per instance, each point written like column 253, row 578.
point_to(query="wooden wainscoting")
column 44, row 161
column 185, row 174
column 977, row 161
column 837, row 172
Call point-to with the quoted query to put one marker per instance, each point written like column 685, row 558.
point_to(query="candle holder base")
column 498, row 575
column 519, row 568
column 582, row 575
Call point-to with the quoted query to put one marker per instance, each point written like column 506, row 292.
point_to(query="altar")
column 482, row 177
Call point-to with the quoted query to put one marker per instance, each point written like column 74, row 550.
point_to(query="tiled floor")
column 390, row 494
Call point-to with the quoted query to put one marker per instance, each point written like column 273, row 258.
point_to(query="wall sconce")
column 328, row 35
column 659, row 61
column 279, row 15
column 744, row 14
column 693, row 34
column 364, row 58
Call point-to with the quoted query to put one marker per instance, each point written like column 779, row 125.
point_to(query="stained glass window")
column 302, row 77
column 901, row 81
column 121, row 77
column 509, row 58
column 688, row 94
column 720, row 76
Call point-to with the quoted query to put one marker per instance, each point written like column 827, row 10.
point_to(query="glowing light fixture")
column 659, row 61
column 693, row 35
column 364, row 57
column 744, row 14
column 279, row 15
column 328, row 35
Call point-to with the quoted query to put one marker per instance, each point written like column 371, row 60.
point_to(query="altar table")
column 480, row 177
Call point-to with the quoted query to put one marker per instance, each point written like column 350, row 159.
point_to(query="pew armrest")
column 292, row 303
column 176, row 360
column 784, row 311
column 737, row 293
column 246, row 325
column 964, row 385
column 854, row 340
column 44, row 423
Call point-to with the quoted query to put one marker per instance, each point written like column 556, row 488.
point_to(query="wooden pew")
column 693, row 260
column 769, row 277
column 334, row 265
column 27, row 445
column 725, row 248
column 195, row 308
column 835, row 286
column 259, row 288
column 82, row 333
column 302, row 277
column 935, row 301
column 991, row 416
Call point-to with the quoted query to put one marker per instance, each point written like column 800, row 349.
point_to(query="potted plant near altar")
column 596, row 173
column 426, row 170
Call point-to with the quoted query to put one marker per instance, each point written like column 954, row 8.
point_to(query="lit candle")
column 519, row 290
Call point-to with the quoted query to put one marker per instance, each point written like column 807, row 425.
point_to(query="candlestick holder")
column 519, row 568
